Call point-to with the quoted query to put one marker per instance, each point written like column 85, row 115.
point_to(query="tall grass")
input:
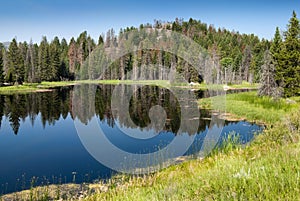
column 33, row 87
column 268, row 169
column 249, row 106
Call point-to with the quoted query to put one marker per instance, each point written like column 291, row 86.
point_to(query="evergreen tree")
column 276, row 43
column 16, row 66
column 63, row 70
column 44, row 60
column 288, row 71
column 275, row 49
column 100, row 40
column 21, row 70
column 1, row 68
column 54, row 59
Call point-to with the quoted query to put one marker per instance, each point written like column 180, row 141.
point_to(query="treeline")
column 59, row 59
column 233, row 57
column 54, row 61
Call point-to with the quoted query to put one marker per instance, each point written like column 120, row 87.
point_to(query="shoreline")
column 43, row 86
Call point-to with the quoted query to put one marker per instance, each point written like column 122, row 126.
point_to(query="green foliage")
column 240, row 56
column 15, row 66
column 55, row 60
column 228, row 144
column 44, row 60
column 32, row 87
column 60, row 60
column 250, row 106
column 276, row 44
column 288, row 58
column 100, row 40
column 1, row 67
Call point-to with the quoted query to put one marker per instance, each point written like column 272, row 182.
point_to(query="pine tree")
column 100, row 40
column 276, row 43
column 54, row 59
column 275, row 50
column 1, row 68
column 23, row 52
column 16, row 66
column 63, row 70
column 44, row 60
column 268, row 86
column 288, row 71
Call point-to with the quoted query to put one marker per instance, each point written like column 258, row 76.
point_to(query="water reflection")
column 58, row 103
column 47, row 145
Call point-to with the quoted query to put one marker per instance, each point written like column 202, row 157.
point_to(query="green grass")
column 243, row 85
column 33, row 87
column 249, row 106
column 163, row 83
column 268, row 169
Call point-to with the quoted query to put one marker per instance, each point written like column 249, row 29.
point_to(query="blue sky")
column 26, row 19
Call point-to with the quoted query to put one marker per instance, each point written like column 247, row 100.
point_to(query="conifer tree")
column 100, row 40
column 16, row 66
column 54, row 59
column 275, row 49
column 64, row 61
column 44, row 60
column 288, row 69
column 1, row 68
column 276, row 43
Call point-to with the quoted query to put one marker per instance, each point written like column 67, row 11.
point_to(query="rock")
column 289, row 101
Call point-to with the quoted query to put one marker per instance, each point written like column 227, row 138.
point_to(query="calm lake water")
column 38, row 137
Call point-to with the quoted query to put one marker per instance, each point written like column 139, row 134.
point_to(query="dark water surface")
column 38, row 137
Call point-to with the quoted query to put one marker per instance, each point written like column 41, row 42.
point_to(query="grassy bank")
column 267, row 169
column 249, row 106
column 35, row 87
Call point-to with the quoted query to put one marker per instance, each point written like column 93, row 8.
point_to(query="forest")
column 236, row 57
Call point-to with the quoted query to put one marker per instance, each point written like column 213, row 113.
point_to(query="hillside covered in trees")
column 236, row 57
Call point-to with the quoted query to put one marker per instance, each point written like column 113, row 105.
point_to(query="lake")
column 40, row 138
